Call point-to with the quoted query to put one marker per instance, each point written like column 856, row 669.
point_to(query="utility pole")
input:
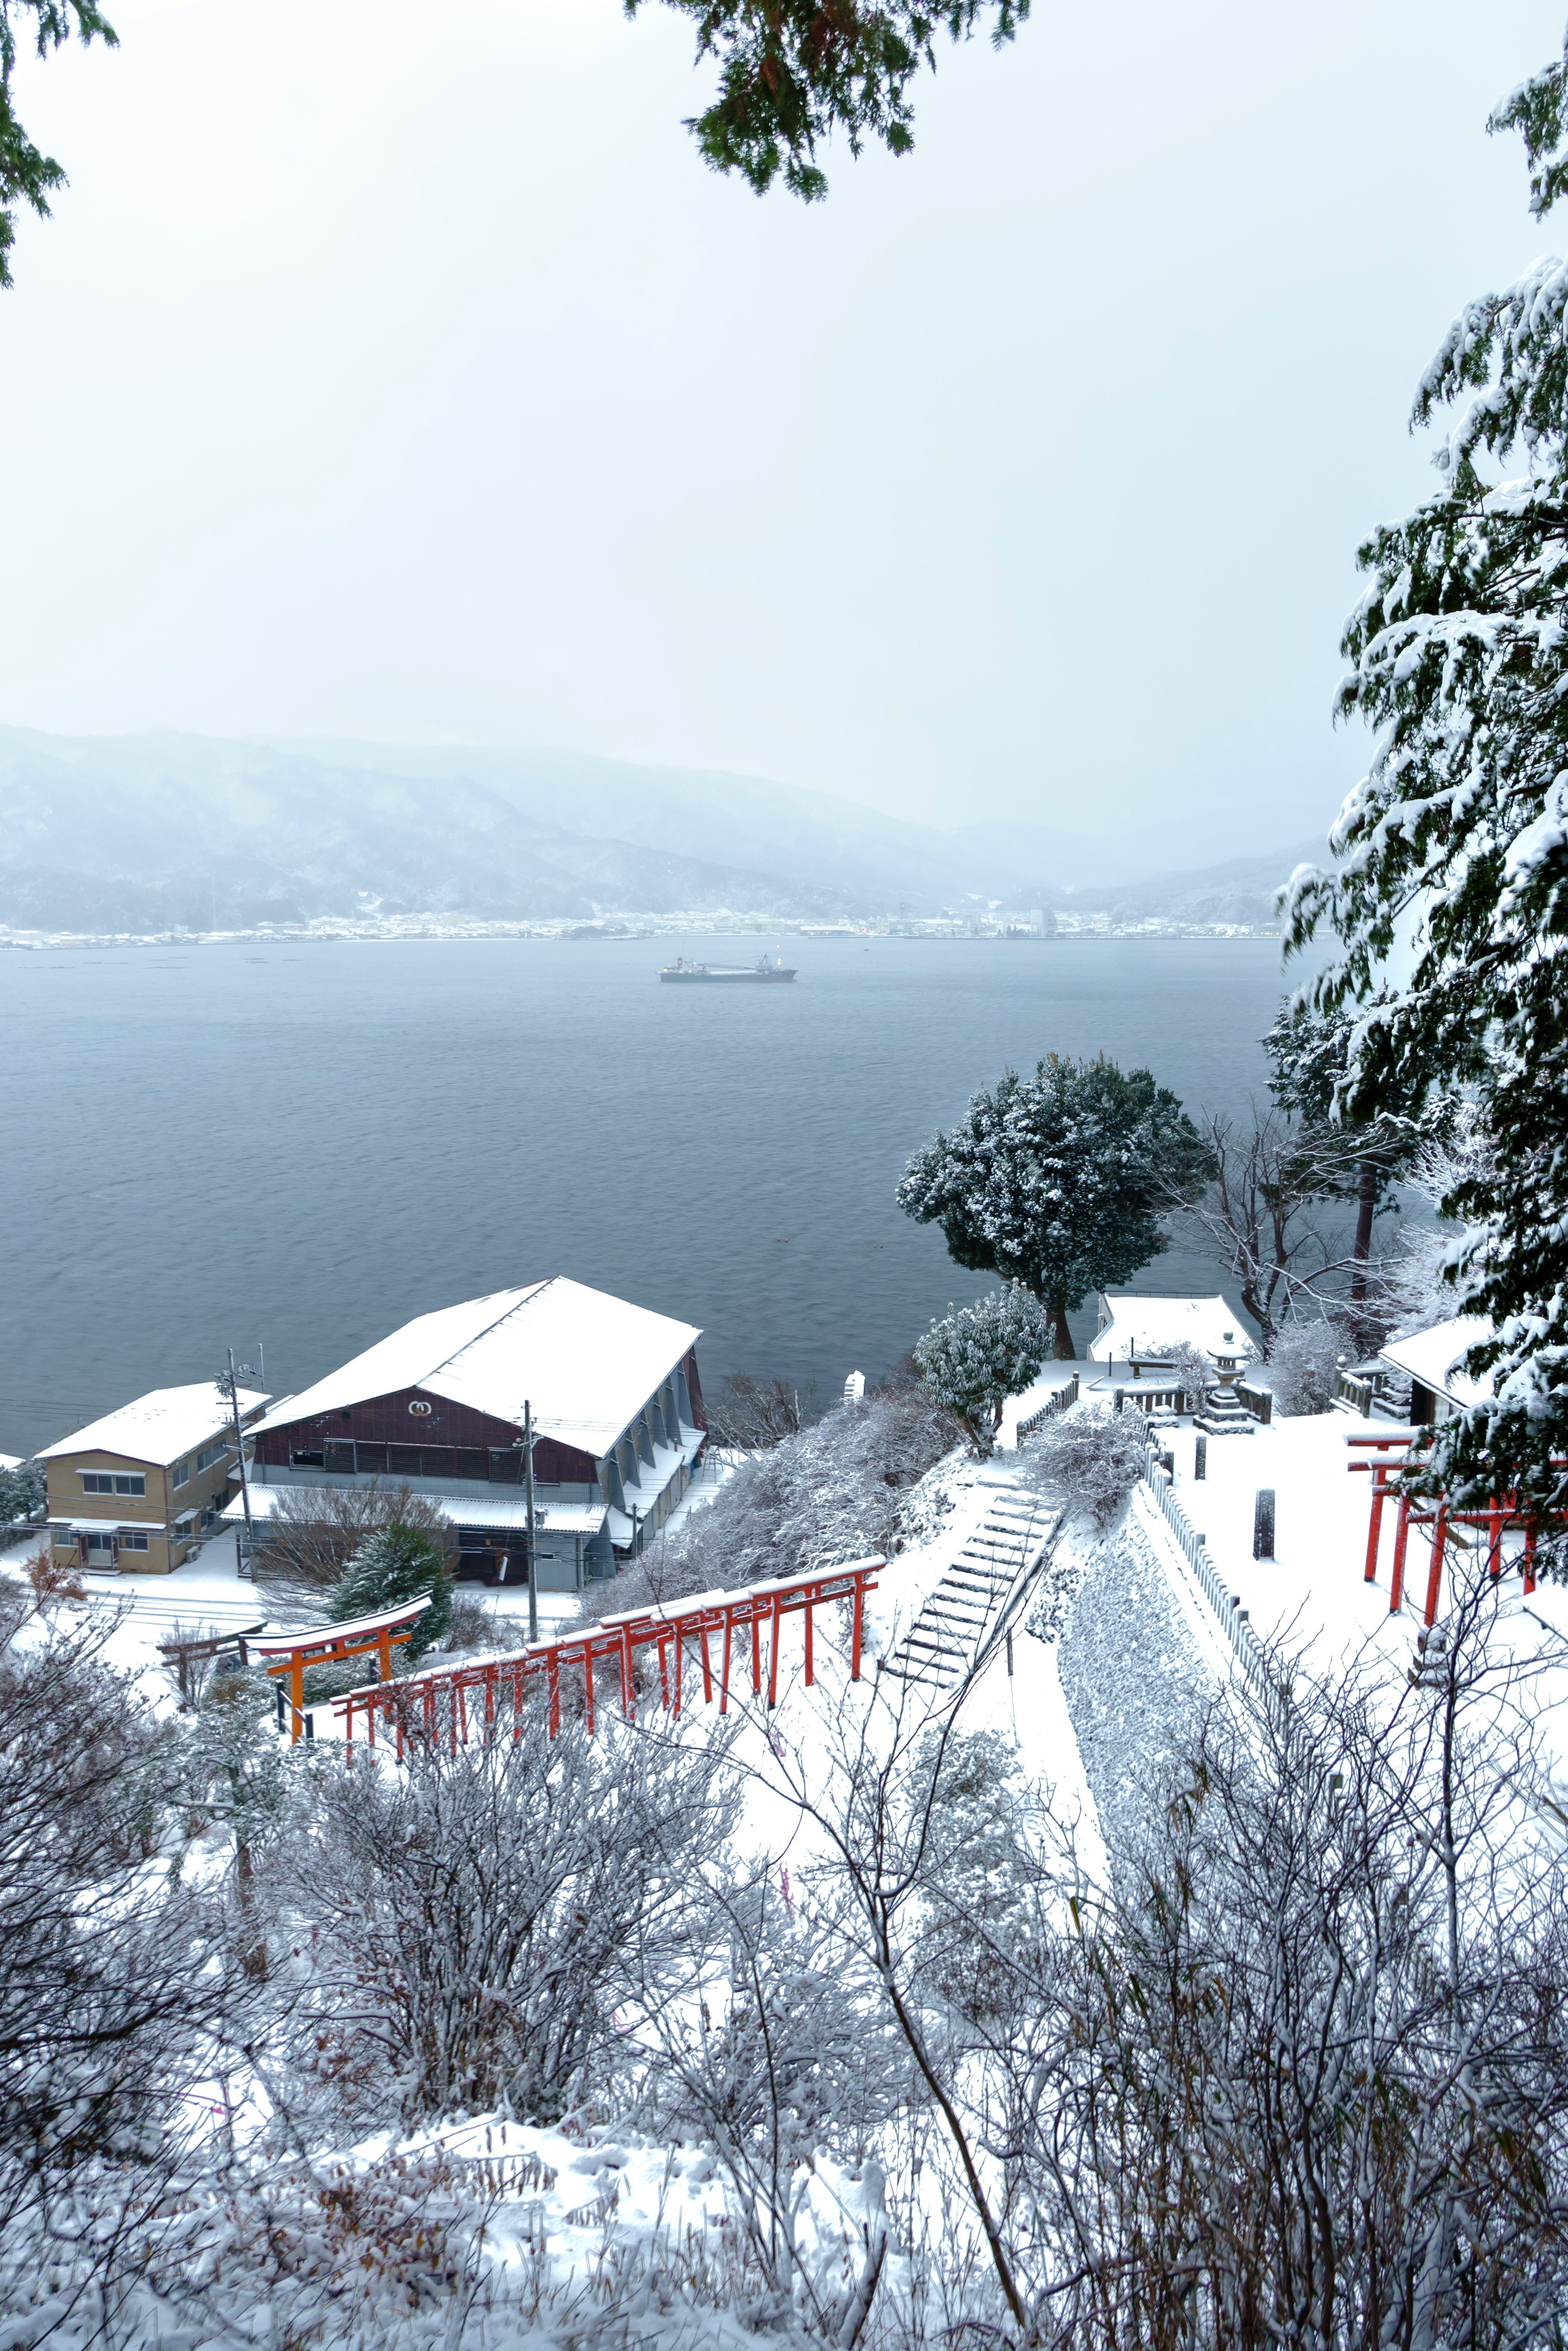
column 532, row 1571
column 232, row 1390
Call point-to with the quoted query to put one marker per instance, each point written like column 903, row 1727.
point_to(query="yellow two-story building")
column 134, row 1491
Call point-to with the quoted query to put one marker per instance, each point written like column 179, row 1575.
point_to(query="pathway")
column 965, row 1608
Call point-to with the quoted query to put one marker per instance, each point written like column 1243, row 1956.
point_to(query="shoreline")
column 422, row 930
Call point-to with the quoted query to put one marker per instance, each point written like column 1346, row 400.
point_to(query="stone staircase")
column 960, row 1612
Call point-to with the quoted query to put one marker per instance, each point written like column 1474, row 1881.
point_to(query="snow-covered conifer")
column 1057, row 1179
column 397, row 1564
column 1450, row 896
column 983, row 1353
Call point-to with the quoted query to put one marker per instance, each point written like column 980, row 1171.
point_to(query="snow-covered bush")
column 473, row 1915
column 1194, row 1369
column 1306, row 1359
column 23, row 1491
column 840, row 1489
column 110, row 1974
column 1090, row 1457
column 313, row 1532
column 983, row 1353
column 398, row 1562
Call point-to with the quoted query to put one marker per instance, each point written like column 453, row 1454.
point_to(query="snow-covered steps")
column 993, row 1566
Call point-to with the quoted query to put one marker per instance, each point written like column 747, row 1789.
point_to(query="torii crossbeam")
column 613, row 1643
column 334, row 1645
column 1501, row 1516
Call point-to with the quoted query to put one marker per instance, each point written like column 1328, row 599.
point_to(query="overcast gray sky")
column 402, row 371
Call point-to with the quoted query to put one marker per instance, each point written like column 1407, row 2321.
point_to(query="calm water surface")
column 308, row 1144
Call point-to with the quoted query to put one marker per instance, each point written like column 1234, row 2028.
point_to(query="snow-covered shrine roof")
column 159, row 1427
column 586, row 1361
column 1431, row 1356
column 1142, row 1326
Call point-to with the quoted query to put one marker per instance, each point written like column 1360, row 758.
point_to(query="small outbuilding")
column 1139, row 1327
column 1431, row 1362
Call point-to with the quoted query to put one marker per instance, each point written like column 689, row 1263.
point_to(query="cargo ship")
column 761, row 973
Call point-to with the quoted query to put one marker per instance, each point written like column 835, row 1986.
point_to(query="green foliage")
column 399, row 1562
column 980, row 1355
column 23, row 1490
column 1450, row 897
column 27, row 176
column 1056, row 1180
column 794, row 71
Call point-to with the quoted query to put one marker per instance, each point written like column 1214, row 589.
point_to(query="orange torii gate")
column 613, row 1643
column 1501, row 1515
column 333, row 1645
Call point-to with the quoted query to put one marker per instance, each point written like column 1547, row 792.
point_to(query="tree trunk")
column 1063, row 1350
column 1361, row 1252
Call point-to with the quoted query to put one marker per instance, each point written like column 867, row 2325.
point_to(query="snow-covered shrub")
column 1090, row 1457
column 836, row 1491
column 398, row 1562
column 746, row 1413
column 109, row 1971
column 1301, row 1369
column 1194, row 1369
column 473, row 1915
column 981, row 1354
column 23, row 1491
column 313, row 1532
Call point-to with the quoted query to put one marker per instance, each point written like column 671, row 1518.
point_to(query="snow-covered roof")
column 1142, row 1326
column 486, row 1509
column 588, row 1363
column 159, row 1427
column 1431, row 1356
column 10, row 1461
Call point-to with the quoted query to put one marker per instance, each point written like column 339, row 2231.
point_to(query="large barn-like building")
column 439, row 1407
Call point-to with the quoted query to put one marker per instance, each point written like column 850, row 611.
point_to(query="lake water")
column 305, row 1144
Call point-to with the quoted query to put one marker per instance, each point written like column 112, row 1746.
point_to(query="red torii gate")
column 333, row 1645
column 1501, row 1515
column 615, row 1642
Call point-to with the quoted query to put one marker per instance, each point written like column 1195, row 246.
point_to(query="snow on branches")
column 980, row 1355
column 1451, row 899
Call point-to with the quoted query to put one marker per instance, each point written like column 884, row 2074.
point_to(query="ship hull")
column 726, row 978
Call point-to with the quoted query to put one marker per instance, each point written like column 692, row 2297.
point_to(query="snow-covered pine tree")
column 980, row 1355
column 397, row 1564
column 1057, row 1180
column 1450, row 898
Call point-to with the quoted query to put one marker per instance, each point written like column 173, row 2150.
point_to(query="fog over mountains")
column 145, row 832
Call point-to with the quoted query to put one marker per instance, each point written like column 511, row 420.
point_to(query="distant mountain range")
column 145, row 832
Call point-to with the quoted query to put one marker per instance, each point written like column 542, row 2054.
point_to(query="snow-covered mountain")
column 144, row 831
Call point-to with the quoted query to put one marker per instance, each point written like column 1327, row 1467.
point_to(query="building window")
column 338, row 1452
column 99, row 1543
column 64, row 1539
column 133, row 1539
column 103, row 1481
column 182, row 1474
column 305, row 1457
column 210, row 1453
column 506, row 1468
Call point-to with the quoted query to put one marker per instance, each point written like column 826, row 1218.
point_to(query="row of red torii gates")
column 1389, row 1457
column 440, row 1699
